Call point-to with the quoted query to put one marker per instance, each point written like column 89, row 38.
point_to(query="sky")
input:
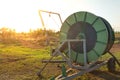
column 22, row 15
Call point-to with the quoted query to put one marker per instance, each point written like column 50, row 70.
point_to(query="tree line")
column 8, row 35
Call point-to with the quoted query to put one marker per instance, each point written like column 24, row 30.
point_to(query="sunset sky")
column 22, row 15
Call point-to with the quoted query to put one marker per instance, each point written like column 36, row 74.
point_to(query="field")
column 21, row 60
column 22, row 63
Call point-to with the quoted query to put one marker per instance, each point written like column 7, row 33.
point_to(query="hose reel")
column 84, row 37
column 95, row 30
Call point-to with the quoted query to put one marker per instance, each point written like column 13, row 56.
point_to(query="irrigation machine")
column 84, row 38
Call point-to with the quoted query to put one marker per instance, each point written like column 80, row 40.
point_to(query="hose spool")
column 96, row 30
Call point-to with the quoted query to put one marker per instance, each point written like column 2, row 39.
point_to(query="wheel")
column 111, row 65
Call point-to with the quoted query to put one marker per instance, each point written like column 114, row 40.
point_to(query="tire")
column 111, row 65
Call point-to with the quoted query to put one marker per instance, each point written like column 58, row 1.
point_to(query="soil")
column 115, row 48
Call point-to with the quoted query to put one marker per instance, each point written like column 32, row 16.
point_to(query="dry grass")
column 21, row 60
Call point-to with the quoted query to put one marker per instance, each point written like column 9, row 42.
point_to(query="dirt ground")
column 115, row 48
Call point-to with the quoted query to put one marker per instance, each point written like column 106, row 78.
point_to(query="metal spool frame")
column 96, row 30
column 84, row 37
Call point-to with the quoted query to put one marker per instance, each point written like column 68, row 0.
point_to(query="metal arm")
column 49, row 13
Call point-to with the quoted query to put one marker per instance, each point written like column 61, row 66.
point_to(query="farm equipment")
column 84, row 38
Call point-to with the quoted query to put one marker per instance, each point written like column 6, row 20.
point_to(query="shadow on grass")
column 107, row 75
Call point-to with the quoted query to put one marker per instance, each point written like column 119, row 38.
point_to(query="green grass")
column 22, row 63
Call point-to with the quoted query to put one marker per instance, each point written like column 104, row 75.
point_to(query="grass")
column 22, row 63
column 102, row 72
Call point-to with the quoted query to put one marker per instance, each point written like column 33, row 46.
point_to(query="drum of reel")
column 95, row 30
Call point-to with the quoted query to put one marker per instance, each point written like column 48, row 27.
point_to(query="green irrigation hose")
column 96, row 30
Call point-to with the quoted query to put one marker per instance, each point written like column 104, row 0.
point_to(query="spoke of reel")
column 96, row 52
column 75, row 17
column 68, row 23
column 101, row 42
column 101, row 30
column 76, row 57
column 95, row 21
column 85, row 17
